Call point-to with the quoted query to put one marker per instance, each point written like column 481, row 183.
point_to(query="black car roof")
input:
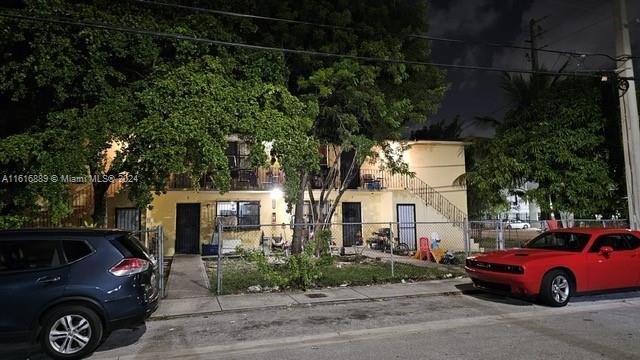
column 58, row 232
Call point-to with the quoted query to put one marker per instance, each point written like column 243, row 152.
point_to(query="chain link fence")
column 489, row 235
column 383, row 243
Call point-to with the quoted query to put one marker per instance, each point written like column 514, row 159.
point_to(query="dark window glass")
column 249, row 213
column 633, row 241
column 617, row 242
column 131, row 247
column 243, row 213
column 28, row 255
column 75, row 250
column 559, row 241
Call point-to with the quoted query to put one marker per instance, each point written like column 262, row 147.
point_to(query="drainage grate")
column 316, row 295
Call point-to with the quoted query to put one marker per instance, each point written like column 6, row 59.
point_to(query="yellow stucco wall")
column 439, row 164
column 377, row 209
column 163, row 213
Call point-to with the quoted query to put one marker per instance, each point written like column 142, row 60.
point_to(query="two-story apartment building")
column 374, row 196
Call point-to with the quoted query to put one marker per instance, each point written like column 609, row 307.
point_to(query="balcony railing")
column 241, row 179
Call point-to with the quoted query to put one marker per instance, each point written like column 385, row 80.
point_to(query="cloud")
column 578, row 25
column 469, row 17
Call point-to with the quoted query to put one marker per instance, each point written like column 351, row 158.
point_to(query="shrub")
column 303, row 271
column 323, row 242
column 269, row 272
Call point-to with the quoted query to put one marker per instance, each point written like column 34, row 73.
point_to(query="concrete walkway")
column 187, row 278
column 179, row 307
column 385, row 256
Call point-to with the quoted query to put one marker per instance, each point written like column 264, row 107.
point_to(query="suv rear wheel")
column 71, row 332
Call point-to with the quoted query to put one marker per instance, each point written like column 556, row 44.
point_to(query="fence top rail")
column 559, row 220
column 345, row 223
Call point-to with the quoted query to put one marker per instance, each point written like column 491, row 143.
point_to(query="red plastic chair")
column 425, row 251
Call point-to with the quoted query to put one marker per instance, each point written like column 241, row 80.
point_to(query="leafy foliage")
column 360, row 105
column 556, row 141
column 169, row 105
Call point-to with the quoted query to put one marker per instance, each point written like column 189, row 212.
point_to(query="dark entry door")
column 187, row 228
column 407, row 225
column 351, row 227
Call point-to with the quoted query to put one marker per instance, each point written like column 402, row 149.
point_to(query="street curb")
column 330, row 302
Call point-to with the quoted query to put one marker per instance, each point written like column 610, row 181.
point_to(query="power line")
column 588, row 10
column 513, row 46
column 242, row 15
column 580, row 30
column 174, row 36
column 338, row 27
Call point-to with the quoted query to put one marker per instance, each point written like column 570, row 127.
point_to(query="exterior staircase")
column 418, row 187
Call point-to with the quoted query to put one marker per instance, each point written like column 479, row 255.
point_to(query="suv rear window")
column 28, row 255
column 131, row 247
column 75, row 250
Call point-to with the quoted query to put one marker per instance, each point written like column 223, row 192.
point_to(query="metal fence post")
column 391, row 242
column 219, row 266
column 500, row 237
column 160, row 244
column 467, row 238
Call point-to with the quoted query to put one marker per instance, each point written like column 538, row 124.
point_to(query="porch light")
column 276, row 193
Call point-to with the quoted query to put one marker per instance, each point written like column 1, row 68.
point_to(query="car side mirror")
column 606, row 250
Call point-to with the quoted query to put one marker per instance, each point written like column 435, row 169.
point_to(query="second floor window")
column 238, row 155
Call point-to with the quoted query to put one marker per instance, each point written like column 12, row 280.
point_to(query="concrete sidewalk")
column 212, row 304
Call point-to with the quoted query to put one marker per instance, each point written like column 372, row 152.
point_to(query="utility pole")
column 628, row 113
column 533, row 34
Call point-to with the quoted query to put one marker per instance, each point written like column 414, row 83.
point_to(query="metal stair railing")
column 418, row 187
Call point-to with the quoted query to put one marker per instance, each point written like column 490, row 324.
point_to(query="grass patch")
column 240, row 274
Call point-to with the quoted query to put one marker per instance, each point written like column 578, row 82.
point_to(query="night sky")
column 572, row 25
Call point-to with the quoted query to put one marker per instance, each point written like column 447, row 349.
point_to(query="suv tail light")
column 129, row 266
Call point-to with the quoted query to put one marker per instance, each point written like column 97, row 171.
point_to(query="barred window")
column 245, row 214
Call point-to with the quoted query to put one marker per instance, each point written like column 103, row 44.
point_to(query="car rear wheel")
column 71, row 332
column 557, row 288
column 525, row 226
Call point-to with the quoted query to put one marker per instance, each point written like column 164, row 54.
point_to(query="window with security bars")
column 245, row 214
column 128, row 219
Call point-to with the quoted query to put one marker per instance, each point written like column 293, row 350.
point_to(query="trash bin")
column 209, row 249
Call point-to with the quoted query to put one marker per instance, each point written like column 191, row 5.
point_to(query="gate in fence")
column 153, row 239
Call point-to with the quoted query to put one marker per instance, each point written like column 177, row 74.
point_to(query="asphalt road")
column 473, row 326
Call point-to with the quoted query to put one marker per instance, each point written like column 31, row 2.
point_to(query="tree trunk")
column 298, row 231
column 99, row 215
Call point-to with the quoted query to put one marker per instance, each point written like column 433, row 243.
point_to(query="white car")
column 517, row 224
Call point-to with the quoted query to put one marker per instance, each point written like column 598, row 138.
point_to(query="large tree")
column 361, row 104
column 72, row 92
column 555, row 139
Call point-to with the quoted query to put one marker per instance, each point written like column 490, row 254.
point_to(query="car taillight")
column 129, row 266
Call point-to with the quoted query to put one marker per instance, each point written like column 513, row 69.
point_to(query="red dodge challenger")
column 557, row 264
